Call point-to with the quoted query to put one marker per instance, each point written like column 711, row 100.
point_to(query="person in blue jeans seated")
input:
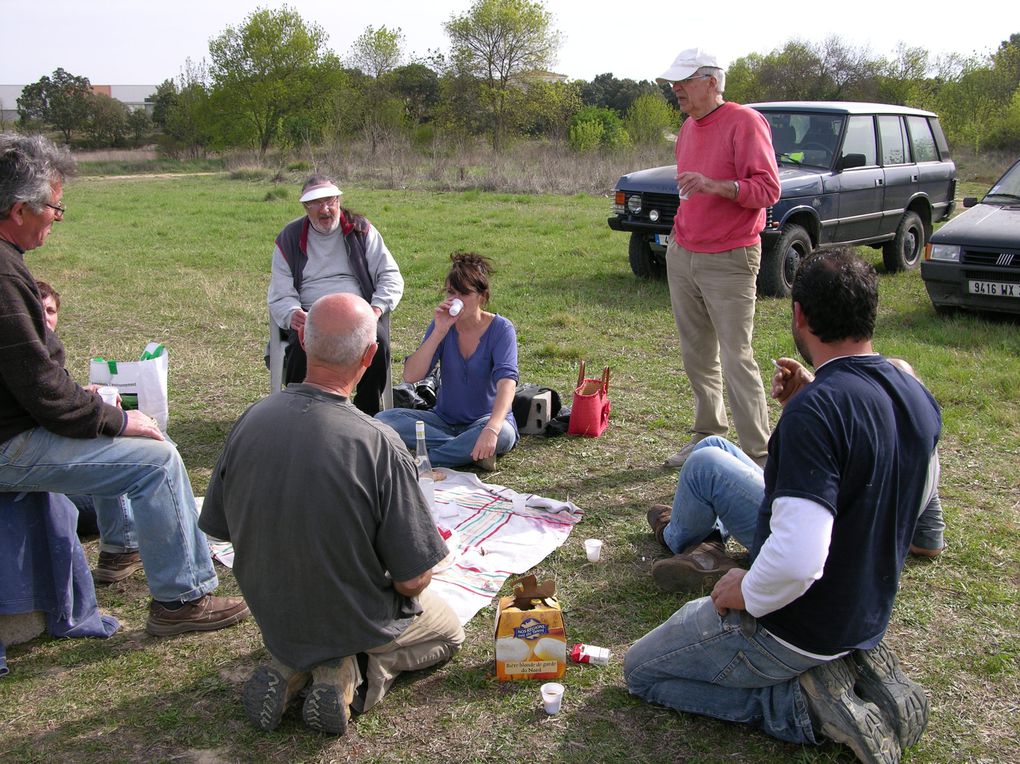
column 476, row 352
column 58, row 437
column 794, row 644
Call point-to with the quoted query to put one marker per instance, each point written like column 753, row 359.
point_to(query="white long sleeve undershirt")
column 792, row 557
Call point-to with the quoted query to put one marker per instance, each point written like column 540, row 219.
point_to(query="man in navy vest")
column 327, row 251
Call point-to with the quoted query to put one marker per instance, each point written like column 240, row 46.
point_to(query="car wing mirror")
column 848, row 161
column 970, row 201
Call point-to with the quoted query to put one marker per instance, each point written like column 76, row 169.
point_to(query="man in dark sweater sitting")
column 56, row 436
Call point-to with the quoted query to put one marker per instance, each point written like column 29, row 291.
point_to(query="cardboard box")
column 531, row 641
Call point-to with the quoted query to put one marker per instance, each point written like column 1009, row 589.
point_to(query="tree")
column 107, row 123
column 63, row 101
column 650, row 119
column 271, row 67
column 418, row 86
column 498, row 41
column 377, row 51
column 610, row 93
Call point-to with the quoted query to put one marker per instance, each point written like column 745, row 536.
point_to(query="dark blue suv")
column 851, row 174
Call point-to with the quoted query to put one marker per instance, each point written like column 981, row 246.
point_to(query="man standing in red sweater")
column 727, row 176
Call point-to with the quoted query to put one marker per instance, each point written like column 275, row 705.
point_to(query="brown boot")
column 694, row 568
column 328, row 705
column 658, row 518
column 269, row 691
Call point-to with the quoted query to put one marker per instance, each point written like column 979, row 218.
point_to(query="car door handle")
column 913, row 178
column 879, row 181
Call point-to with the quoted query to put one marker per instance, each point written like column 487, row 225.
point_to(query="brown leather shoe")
column 116, row 566
column 658, row 518
column 207, row 613
column 698, row 565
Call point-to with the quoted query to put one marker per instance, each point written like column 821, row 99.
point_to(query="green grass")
column 185, row 260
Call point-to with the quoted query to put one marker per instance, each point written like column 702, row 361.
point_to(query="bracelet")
column 493, row 430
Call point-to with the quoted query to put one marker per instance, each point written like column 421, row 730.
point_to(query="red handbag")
column 589, row 415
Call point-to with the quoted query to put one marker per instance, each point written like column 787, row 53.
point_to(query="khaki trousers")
column 713, row 298
column 432, row 637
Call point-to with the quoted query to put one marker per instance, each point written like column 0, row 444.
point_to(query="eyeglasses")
column 689, row 80
column 329, row 201
column 58, row 210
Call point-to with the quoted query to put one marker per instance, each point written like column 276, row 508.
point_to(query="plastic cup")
column 552, row 697
column 593, row 548
column 108, row 393
column 456, row 306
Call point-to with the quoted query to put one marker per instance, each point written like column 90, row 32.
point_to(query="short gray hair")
column 719, row 74
column 29, row 164
column 339, row 348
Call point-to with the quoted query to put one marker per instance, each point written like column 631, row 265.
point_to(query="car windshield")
column 804, row 138
column 1007, row 188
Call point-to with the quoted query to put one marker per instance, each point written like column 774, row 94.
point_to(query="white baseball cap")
column 321, row 191
column 687, row 63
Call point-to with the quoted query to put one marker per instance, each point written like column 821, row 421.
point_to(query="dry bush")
column 528, row 167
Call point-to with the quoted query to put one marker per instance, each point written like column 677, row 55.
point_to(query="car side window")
column 922, row 140
column 860, row 139
column 894, row 140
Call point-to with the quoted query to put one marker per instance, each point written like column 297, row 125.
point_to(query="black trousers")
column 368, row 393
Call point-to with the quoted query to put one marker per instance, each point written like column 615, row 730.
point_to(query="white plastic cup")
column 108, row 393
column 456, row 306
column 593, row 548
column 552, row 697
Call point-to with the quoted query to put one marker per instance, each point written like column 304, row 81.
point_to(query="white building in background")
column 133, row 96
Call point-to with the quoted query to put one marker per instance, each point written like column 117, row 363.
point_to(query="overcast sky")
column 131, row 42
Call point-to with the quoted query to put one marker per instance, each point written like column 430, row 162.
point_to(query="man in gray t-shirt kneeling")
column 334, row 543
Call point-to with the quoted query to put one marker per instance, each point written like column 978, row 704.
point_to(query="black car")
column 973, row 261
column 851, row 173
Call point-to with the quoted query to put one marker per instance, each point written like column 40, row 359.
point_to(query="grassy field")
column 185, row 261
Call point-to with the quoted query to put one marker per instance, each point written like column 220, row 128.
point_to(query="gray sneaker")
column 840, row 715
column 676, row 461
column 328, row 704
column 903, row 702
column 269, row 692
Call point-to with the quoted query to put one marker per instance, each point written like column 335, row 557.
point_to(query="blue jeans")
column 727, row 667
column 449, row 445
column 719, row 485
column 152, row 478
column 116, row 529
column 929, row 533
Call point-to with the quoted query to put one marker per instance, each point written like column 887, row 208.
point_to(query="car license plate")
column 994, row 288
column 662, row 240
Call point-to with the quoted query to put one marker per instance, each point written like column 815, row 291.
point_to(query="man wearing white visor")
column 727, row 176
column 327, row 251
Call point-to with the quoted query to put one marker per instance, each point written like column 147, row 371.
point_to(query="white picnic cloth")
column 497, row 533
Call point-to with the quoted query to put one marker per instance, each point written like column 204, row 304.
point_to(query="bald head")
column 339, row 330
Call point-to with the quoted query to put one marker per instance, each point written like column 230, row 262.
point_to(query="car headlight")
column 946, row 252
column 634, row 204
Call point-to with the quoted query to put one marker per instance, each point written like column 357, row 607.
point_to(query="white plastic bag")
column 146, row 378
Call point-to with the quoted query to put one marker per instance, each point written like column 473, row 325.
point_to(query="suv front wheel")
column 779, row 263
column 645, row 263
column 904, row 251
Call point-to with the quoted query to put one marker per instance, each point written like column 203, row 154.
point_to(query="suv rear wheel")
column 645, row 263
column 779, row 264
column 904, row 251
